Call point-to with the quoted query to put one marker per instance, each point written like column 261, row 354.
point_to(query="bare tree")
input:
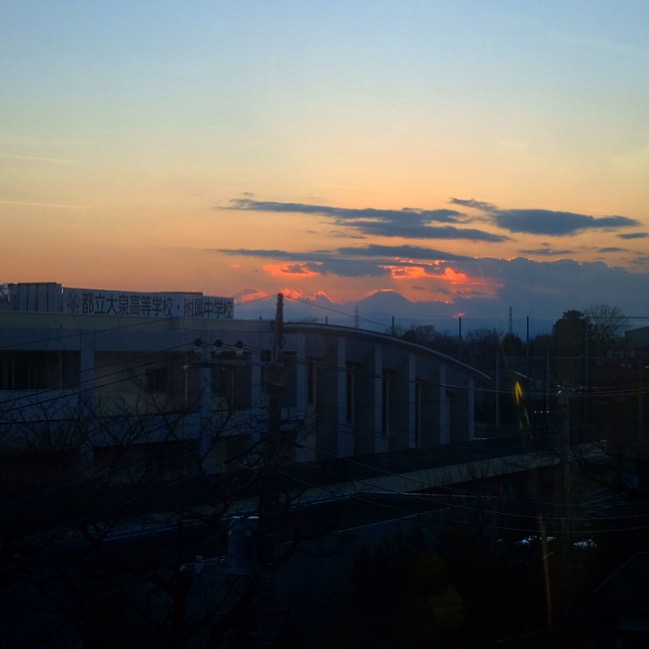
column 427, row 336
column 606, row 323
column 106, row 547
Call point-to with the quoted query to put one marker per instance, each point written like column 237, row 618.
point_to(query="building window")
column 70, row 369
column 419, row 400
column 388, row 378
column 311, row 379
column 44, row 370
column 231, row 381
column 157, row 380
column 351, row 383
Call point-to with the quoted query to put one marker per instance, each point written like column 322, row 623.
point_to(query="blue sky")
column 337, row 148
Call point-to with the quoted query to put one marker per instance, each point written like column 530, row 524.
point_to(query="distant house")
column 167, row 377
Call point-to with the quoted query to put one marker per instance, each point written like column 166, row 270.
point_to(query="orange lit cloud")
column 297, row 294
column 446, row 284
column 453, row 277
column 293, row 270
column 408, row 272
column 293, row 294
column 250, row 295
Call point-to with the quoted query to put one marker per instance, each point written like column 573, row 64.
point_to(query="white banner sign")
column 148, row 305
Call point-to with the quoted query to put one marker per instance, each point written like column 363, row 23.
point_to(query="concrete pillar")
column 380, row 439
column 203, row 433
column 87, row 398
column 412, row 401
column 444, row 420
column 301, row 368
column 327, row 418
column 470, row 409
column 345, row 434
column 302, row 453
column 256, row 387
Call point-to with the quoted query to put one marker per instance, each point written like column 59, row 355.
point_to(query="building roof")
column 388, row 340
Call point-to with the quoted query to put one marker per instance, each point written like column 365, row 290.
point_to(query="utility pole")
column 640, row 395
column 268, row 541
column 497, row 393
column 527, row 352
column 564, row 497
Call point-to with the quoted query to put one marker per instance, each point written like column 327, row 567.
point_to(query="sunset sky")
column 463, row 153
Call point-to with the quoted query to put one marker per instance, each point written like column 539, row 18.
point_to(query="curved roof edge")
column 309, row 327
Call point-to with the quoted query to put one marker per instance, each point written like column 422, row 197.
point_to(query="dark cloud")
column 283, row 255
column 388, row 253
column 362, row 261
column 414, row 230
column 549, row 222
column 417, row 223
column 547, row 252
column 552, row 287
column 408, row 222
column 403, row 252
column 298, row 269
column 339, row 267
column 541, row 290
column 633, row 235
column 557, row 224
column 610, row 249
column 346, row 214
column 472, row 203
column 321, row 262
column 351, row 268
column 346, row 234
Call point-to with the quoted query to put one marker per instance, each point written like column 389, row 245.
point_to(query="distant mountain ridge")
column 383, row 310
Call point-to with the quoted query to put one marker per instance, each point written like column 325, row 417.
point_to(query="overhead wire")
column 301, row 360
column 386, row 326
column 222, row 431
column 633, row 391
column 331, row 366
column 372, row 433
column 158, row 415
column 219, row 432
column 99, row 515
column 55, row 492
column 375, row 375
